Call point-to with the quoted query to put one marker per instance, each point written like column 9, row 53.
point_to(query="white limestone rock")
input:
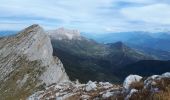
column 131, row 93
column 107, row 95
column 105, row 85
column 167, row 75
column 62, row 33
column 90, row 86
column 131, row 79
column 150, row 81
column 85, row 97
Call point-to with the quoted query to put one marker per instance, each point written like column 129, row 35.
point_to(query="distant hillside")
column 145, row 68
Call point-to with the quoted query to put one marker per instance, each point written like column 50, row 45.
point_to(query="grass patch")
column 11, row 90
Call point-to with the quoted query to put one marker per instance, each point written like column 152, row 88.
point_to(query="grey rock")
column 64, row 34
column 28, row 53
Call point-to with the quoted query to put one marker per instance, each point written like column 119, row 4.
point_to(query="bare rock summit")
column 27, row 64
column 64, row 34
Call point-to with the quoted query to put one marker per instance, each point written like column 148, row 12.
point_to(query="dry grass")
column 20, row 93
column 137, row 85
column 117, row 97
column 163, row 92
column 141, row 95
column 162, row 95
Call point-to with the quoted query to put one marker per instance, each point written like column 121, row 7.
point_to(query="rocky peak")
column 63, row 33
column 26, row 62
column 29, row 30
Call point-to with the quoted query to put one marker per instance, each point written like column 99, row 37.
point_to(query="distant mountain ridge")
column 7, row 33
column 62, row 33
column 156, row 44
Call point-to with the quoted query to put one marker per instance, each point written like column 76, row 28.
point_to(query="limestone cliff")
column 27, row 64
column 64, row 34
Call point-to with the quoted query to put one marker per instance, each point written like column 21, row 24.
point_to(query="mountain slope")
column 85, row 59
column 27, row 64
column 82, row 59
column 121, row 55
column 157, row 53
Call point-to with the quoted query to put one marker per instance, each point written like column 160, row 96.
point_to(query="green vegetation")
column 12, row 90
column 87, row 60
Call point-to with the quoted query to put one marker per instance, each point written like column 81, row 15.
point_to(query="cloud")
column 95, row 16
column 156, row 14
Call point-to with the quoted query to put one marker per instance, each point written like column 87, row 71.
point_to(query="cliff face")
column 27, row 64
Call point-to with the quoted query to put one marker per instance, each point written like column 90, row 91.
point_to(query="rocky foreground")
column 156, row 87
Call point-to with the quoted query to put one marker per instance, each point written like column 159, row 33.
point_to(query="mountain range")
column 155, row 44
column 35, row 59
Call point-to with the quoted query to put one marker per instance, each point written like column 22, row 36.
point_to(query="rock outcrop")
column 27, row 64
column 62, row 34
column 156, row 87
column 130, row 80
column 72, row 91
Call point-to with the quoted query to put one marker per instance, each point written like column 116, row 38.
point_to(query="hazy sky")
column 97, row 16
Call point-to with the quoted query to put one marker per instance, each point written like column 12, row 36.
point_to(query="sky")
column 94, row 16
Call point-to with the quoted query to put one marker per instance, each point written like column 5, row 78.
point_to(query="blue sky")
column 95, row 16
